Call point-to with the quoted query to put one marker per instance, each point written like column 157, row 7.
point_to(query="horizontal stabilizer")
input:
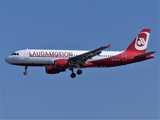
column 144, row 55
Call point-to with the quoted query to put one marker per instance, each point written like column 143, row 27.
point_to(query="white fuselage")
column 45, row 57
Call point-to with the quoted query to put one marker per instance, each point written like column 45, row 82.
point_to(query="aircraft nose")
column 7, row 59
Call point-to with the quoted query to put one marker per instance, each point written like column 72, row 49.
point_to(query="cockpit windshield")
column 15, row 54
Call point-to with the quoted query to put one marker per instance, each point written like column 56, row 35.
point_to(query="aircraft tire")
column 25, row 73
column 73, row 75
column 79, row 72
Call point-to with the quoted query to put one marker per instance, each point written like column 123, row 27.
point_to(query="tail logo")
column 142, row 41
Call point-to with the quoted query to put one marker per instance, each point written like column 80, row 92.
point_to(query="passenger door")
column 26, row 54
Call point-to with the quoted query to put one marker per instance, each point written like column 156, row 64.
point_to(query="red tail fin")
column 139, row 45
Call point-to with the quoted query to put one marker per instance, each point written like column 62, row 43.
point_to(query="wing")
column 82, row 58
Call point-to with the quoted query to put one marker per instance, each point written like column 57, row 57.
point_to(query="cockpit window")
column 15, row 54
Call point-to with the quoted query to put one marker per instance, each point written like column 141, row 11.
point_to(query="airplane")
column 56, row 61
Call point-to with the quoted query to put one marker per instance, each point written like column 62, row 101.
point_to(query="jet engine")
column 52, row 70
column 61, row 64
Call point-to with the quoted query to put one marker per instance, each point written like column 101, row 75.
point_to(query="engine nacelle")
column 61, row 64
column 52, row 70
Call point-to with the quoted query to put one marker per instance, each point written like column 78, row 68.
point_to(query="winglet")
column 108, row 46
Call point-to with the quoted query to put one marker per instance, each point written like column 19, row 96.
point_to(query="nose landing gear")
column 25, row 72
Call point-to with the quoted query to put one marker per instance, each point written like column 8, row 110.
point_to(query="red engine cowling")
column 60, row 64
column 52, row 70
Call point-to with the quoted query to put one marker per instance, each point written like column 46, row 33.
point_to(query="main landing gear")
column 79, row 72
column 25, row 72
column 73, row 75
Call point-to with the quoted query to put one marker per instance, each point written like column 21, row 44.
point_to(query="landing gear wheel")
column 73, row 75
column 79, row 72
column 25, row 73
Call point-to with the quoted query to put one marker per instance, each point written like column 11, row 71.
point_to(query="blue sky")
column 126, row 92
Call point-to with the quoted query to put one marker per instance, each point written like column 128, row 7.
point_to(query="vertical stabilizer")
column 139, row 45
